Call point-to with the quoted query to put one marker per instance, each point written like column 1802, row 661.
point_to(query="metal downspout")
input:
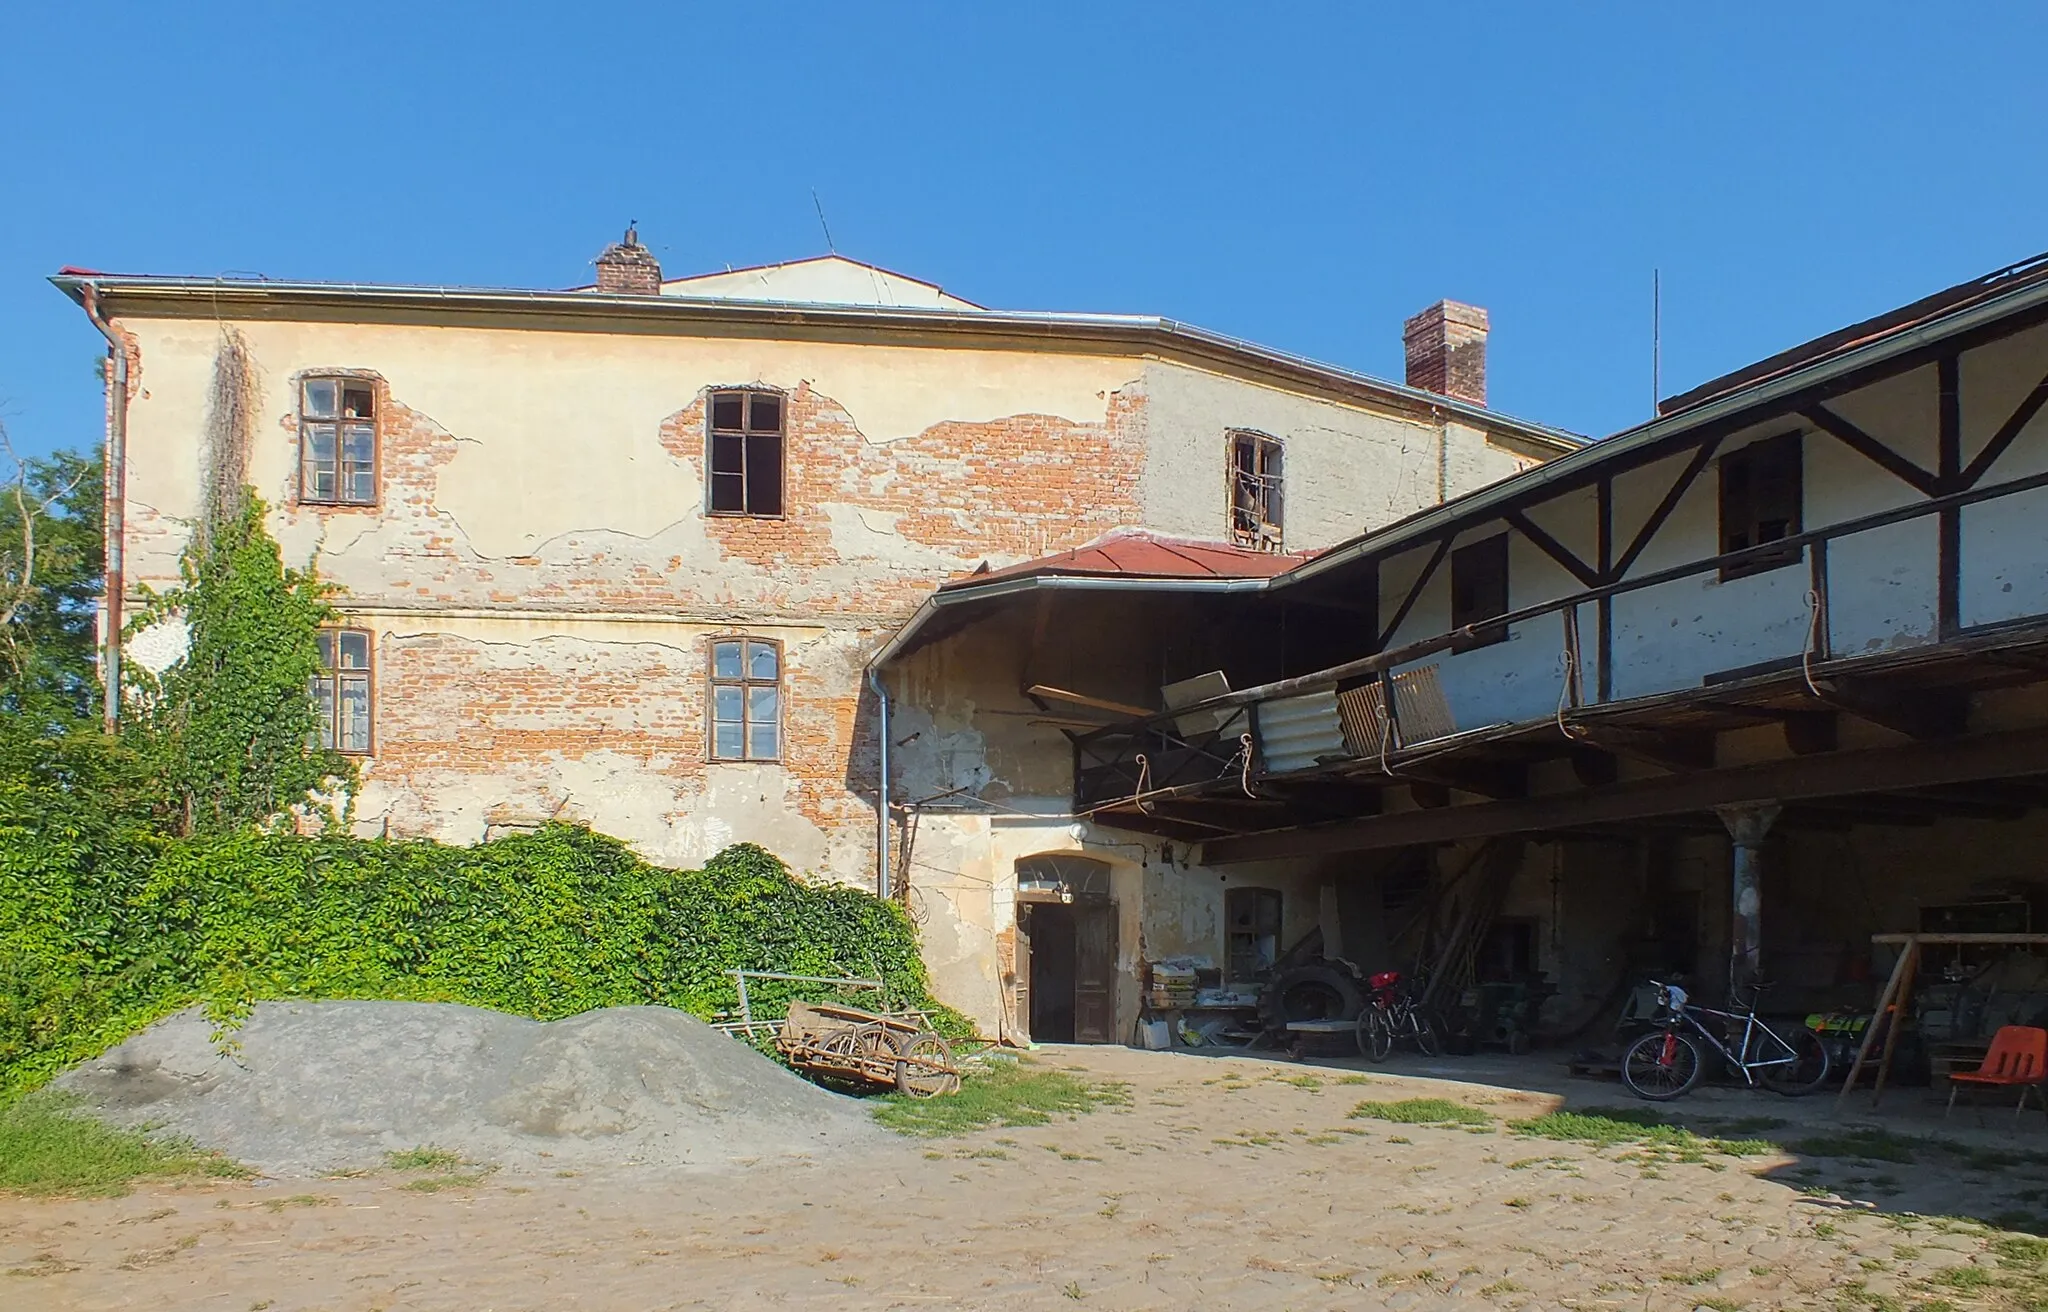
column 116, row 503
column 881, row 789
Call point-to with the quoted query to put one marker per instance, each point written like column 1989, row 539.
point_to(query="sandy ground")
column 1224, row 1183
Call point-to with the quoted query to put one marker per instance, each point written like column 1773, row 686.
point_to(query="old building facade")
column 623, row 554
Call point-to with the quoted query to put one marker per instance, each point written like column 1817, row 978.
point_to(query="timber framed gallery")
column 1724, row 694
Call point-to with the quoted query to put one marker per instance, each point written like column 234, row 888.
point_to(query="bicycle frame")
column 1752, row 1029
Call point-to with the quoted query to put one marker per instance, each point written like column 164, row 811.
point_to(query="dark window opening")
column 1255, row 491
column 1253, row 918
column 746, row 700
column 337, row 442
column 746, row 453
column 1761, row 495
column 1479, row 591
column 341, row 691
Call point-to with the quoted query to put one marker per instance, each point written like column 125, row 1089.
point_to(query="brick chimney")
column 1447, row 351
column 629, row 269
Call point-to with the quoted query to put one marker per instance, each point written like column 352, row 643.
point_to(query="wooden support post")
column 1907, row 951
column 1898, row 1022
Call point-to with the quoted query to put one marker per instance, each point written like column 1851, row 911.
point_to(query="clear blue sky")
column 1301, row 175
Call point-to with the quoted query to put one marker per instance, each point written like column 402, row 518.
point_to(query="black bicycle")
column 1668, row 1062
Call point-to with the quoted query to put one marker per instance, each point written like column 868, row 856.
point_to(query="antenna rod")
column 1656, row 340
column 830, row 249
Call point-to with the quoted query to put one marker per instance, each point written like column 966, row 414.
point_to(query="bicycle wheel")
column 1807, row 1072
column 1661, row 1065
column 1424, row 1033
column 1375, row 1034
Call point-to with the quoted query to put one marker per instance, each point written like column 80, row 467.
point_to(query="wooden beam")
column 1672, row 495
column 1884, row 1019
column 1436, row 558
column 1080, row 699
column 1922, row 713
column 2003, row 438
column 1948, row 552
column 1593, row 767
column 1928, row 484
column 1587, row 576
column 1495, row 779
column 1672, row 749
column 1810, row 732
column 1885, row 769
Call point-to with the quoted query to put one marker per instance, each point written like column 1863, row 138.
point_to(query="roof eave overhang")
column 159, row 297
column 1672, row 429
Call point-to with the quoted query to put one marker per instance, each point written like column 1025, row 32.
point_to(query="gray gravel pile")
column 314, row 1087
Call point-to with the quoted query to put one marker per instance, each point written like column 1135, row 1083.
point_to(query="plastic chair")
column 2018, row 1058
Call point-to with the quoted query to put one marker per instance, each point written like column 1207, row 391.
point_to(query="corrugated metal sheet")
column 1297, row 732
column 1418, row 698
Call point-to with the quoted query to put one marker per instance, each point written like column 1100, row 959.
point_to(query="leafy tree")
column 51, row 567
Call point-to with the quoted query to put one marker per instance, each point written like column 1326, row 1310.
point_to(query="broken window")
column 1253, row 915
column 338, row 441
column 746, row 700
column 1760, row 502
column 1479, row 591
column 341, row 691
column 1255, row 478
column 746, row 453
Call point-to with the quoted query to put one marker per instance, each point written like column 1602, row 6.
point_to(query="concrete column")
column 1747, row 826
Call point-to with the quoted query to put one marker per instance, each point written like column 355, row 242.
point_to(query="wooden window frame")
column 712, row 683
column 328, row 730
column 712, row 432
column 1463, row 561
column 1748, row 461
column 1268, row 492
column 343, row 384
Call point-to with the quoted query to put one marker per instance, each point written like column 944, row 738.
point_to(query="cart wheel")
column 924, row 1066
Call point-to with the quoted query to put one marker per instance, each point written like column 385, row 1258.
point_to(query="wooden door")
column 1095, row 972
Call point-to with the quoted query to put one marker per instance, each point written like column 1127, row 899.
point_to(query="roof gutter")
column 1474, row 506
column 1142, row 332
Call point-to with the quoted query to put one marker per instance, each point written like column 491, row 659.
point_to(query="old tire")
column 1314, row 992
column 924, row 1066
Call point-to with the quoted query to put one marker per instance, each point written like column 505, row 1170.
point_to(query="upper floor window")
column 338, row 441
column 341, row 691
column 1479, row 590
column 746, row 700
column 1761, row 495
column 1255, row 478
column 746, row 453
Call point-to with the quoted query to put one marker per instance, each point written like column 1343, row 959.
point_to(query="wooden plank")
column 1082, row 699
column 1898, row 1022
column 1891, row 990
column 1911, row 765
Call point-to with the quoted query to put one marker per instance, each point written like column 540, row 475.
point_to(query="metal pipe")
column 881, row 788
column 116, row 504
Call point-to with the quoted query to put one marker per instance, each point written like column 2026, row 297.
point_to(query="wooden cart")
column 848, row 1043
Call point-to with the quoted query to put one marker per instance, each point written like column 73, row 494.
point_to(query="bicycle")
column 1667, row 1062
column 1390, row 1013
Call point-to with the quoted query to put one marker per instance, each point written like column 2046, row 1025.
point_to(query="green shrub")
column 109, row 935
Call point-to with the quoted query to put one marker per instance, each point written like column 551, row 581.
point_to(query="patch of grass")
column 1608, row 1127
column 48, row 1147
column 1499, row 1287
column 423, row 1158
column 1001, row 1093
column 1964, row 1277
column 1706, row 1277
column 1870, row 1145
column 434, row 1184
column 1355, row 1079
column 2020, row 1252
column 1420, row 1111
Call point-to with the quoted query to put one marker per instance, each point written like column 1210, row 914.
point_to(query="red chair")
column 2018, row 1057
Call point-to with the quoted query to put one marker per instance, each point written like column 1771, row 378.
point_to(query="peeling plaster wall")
column 1348, row 468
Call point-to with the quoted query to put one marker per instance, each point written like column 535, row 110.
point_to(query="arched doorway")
column 1066, row 949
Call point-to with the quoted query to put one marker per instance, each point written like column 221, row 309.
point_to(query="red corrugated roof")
column 1137, row 554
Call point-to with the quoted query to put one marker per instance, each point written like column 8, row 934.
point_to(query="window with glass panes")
column 338, row 441
column 341, row 690
column 746, row 700
column 745, row 467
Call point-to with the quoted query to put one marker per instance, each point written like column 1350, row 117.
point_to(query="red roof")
column 1135, row 553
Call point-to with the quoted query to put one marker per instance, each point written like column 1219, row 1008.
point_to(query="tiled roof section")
column 1138, row 554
